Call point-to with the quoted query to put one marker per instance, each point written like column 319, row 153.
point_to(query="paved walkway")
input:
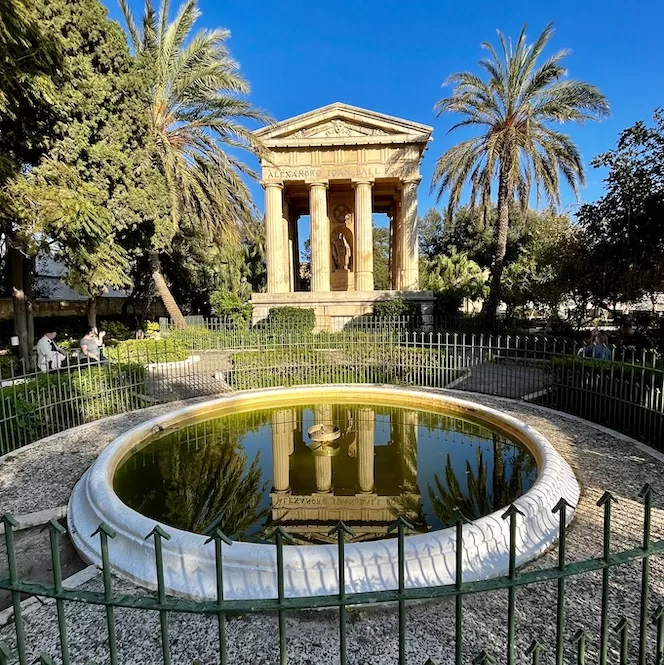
column 43, row 475
column 504, row 379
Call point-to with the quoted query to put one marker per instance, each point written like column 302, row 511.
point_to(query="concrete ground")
column 42, row 476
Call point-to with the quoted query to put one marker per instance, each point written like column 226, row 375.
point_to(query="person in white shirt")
column 49, row 355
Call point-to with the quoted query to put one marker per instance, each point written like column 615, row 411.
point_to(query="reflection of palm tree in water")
column 213, row 488
column 510, row 468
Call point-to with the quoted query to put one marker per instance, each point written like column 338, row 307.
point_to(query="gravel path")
column 43, row 475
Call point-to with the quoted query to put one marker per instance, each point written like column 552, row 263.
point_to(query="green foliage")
column 623, row 235
column 295, row 319
column 353, row 363
column 381, row 256
column 29, row 63
column 145, row 351
column 518, row 106
column 90, row 187
column 430, row 228
column 52, row 402
column 152, row 328
column 395, row 308
column 195, row 104
column 230, row 305
column 9, row 365
column 115, row 330
column 453, row 278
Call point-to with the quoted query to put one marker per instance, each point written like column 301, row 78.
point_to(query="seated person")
column 49, row 354
column 599, row 349
column 91, row 345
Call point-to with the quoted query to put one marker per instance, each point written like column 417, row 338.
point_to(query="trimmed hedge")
column 361, row 364
column 53, row 402
column 291, row 318
column 146, row 351
column 623, row 396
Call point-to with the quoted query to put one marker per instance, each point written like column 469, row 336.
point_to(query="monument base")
column 337, row 309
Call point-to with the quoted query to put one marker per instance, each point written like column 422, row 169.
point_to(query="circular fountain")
column 120, row 490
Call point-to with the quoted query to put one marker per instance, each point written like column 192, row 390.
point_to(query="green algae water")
column 247, row 472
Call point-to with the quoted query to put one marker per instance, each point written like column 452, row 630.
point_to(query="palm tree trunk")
column 490, row 307
column 165, row 293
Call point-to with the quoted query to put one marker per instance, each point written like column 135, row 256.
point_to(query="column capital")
column 321, row 183
column 363, row 181
column 265, row 185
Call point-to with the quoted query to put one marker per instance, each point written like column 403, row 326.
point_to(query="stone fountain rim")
column 250, row 568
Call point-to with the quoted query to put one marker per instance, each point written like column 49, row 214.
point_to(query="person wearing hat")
column 49, row 354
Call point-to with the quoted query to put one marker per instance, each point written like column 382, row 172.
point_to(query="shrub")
column 145, row 351
column 291, row 318
column 115, row 330
column 229, row 305
column 50, row 403
column 395, row 308
column 10, row 366
column 152, row 328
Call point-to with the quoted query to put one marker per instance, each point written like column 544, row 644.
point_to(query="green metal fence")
column 626, row 393
column 643, row 621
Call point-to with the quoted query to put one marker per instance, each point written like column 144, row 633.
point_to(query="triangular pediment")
column 339, row 124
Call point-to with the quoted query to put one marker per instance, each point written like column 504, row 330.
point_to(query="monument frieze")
column 313, row 173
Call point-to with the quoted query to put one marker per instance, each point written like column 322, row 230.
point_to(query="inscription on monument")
column 326, row 173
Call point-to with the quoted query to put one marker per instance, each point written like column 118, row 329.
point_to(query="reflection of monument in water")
column 361, row 478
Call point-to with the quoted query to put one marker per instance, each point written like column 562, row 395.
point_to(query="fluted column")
column 363, row 262
column 397, row 232
column 275, row 245
column 288, row 244
column 320, row 238
column 408, row 237
column 282, row 447
column 323, row 471
column 410, row 421
column 366, row 424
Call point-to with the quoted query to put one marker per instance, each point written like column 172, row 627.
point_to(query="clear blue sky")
column 392, row 56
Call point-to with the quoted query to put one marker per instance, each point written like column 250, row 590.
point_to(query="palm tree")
column 195, row 109
column 516, row 106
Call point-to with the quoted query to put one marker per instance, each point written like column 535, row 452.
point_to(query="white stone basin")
column 250, row 568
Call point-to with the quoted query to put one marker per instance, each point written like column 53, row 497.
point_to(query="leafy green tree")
column 30, row 62
column 381, row 257
column 195, row 107
column 453, row 278
column 430, row 229
column 94, row 182
column 623, row 231
column 29, row 69
column 540, row 274
column 516, row 105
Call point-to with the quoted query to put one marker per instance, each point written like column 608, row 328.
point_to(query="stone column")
column 363, row 261
column 366, row 424
column 409, row 423
column 288, row 243
column 323, row 471
column 408, row 240
column 296, row 251
column 275, row 248
column 397, row 232
column 320, row 238
column 282, row 447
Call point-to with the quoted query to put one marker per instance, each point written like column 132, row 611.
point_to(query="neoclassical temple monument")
column 340, row 164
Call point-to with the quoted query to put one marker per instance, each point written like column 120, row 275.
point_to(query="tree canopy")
column 516, row 107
